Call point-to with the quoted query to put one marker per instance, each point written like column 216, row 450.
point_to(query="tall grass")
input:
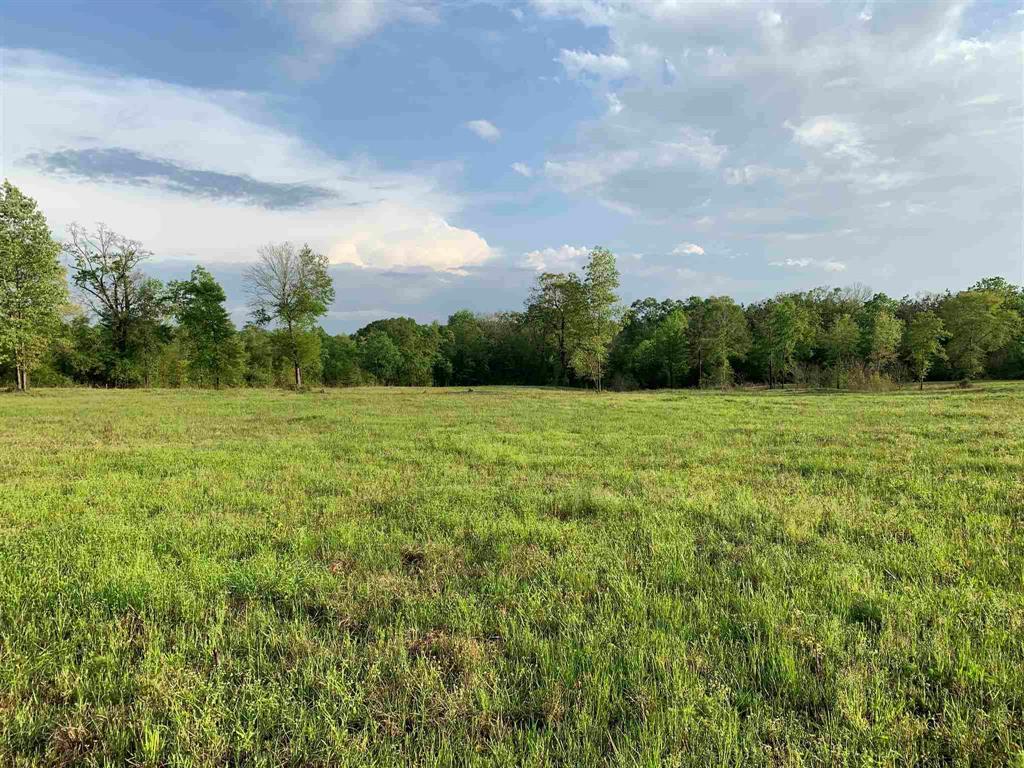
column 512, row 577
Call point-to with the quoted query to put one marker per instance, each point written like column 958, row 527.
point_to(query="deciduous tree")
column 213, row 352
column 922, row 341
column 32, row 287
column 291, row 288
column 841, row 343
column 978, row 323
column 597, row 318
column 105, row 269
column 718, row 335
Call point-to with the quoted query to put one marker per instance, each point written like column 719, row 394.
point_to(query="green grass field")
column 512, row 577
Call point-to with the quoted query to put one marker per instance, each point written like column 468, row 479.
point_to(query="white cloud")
column 325, row 26
column 687, row 249
column 552, row 259
column 676, row 156
column 828, row 265
column 220, row 135
column 600, row 65
column 485, row 129
column 522, row 169
column 614, row 104
column 834, row 137
column 813, row 117
column 435, row 244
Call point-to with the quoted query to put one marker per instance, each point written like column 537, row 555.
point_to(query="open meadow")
column 512, row 577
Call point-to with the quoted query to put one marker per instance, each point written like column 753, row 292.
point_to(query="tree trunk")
column 298, row 376
column 20, row 383
column 921, row 382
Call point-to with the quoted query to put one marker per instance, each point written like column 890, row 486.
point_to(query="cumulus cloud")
column 435, row 244
column 687, row 249
column 522, row 169
column 204, row 175
column 562, row 258
column 485, row 129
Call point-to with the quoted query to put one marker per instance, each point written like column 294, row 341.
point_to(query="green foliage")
column 718, row 336
column 841, row 343
column 597, row 320
column 373, row 577
column 885, row 332
column 467, row 349
column 786, row 329
column 291, row 289
column 417, row 347
column 32, row 288
column 556, row 306
column 922, row 342
column 130, row 307
column 380, row 357
column 668, row 348
column 978, row 322
column 211, row 348
column 339, row 356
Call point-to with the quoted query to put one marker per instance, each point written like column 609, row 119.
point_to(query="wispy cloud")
column 130, row 158
column 828, row 265
column 327, row 26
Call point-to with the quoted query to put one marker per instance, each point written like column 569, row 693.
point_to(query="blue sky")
column 442, row 154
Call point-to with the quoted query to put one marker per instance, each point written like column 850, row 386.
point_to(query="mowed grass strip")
column 512, row 577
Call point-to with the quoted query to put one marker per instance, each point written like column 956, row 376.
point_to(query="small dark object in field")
column 866, row 613
column 965, row 384
column 413, row 560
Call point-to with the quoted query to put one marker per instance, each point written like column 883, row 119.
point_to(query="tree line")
column 83, row 312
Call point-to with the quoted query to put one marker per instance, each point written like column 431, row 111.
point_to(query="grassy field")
column 512, row 577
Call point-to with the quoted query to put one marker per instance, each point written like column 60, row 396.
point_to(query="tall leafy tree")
column 555, row 306
column 1006, row 361
column 258, row 348
column 466, row 348
column 718, row 335
column 789, row 327
column 922, row 341
column 978, row 322
column 32, row 287
column 213, row 352
column 841, row 343
column 105, row 269
column 669, row 346
column 883, row 342
column 339, row 356
column 291, row 288
column 597, row 320
column 380, row 356
column 417, row 346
